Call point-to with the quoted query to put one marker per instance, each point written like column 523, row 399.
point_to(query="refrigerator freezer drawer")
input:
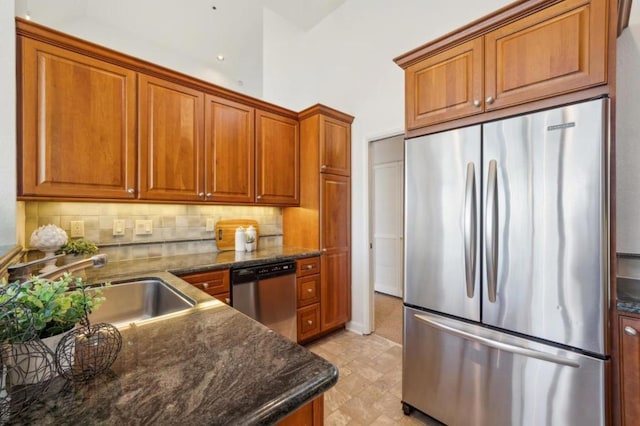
column 463, row 374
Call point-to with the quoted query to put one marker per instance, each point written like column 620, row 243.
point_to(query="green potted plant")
column 77, row 247
column 44, row 309
column 49, row 307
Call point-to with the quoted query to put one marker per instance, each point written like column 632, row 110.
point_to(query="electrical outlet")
column 211, row 224
column 144, row 227
column 118, row 227
column 77, row 228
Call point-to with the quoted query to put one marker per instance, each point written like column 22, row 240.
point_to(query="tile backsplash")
column 177, row 228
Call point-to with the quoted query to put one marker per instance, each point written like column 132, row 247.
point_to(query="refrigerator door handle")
column 491, row 230
column 532, row 353
column 470, row 229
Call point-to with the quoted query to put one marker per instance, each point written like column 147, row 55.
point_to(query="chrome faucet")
column 23, row 271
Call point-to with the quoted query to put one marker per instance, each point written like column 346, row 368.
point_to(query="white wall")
column 7, row 124
column 185, row 37
column 628, row 136
column 346, row 62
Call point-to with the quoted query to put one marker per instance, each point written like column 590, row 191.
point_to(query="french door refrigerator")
column 506, row 270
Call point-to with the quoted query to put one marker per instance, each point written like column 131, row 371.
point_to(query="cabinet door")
column 630, row 369
column 171, row 141
column 78, row 125
column 335, row 289
column 445, row 86
column 277, row 159
column 335, row 205
column 229, row 151
column 335, row 146
column 557, row 50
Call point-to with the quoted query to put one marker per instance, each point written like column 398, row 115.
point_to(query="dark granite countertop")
column 207, row 365
column 191, row 263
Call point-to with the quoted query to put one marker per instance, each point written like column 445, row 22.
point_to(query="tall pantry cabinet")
column 323, row 220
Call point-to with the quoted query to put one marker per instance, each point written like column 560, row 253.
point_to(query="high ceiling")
column 193, row 31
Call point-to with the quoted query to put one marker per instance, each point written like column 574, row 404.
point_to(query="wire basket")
column 88, row 351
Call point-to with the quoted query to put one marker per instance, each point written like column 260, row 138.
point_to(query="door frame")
column 370, row 222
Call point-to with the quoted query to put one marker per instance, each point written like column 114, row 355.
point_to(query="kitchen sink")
column 140, row 300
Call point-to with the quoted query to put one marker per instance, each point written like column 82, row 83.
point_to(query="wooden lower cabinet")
column 629, row 338
column 308, row 298
column 308, row 322
column 311, row 414
column 215, row 283
column 335, row 291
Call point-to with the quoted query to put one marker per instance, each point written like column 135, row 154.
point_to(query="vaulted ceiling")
column 197, row 31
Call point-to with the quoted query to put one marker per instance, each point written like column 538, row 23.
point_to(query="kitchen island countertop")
column 207, row 365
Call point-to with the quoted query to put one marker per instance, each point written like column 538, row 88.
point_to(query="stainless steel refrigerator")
column 506, row 270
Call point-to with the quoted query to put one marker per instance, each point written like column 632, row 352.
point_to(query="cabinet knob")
column 131, row 190
column 309, row 266
column 309, row 290
column 205, row 285
column 201, row 194
column 259, row 197
column 630, row 331
column 227, row 300
column 476, row 103
column 323, row 167
column 209, row 194
column 309, row 322
column 490, row 100
column 324, row 250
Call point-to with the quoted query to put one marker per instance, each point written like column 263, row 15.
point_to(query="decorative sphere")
column 86, row 352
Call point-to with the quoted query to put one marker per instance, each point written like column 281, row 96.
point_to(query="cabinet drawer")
column 212, row 282
column 308, row 266
column 223, row 297
column 308, row 290
column 308, row 321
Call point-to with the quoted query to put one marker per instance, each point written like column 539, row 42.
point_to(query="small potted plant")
column 78, row 247
column 43, row 310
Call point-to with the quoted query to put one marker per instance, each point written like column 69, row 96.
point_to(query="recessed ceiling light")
column 220, row 57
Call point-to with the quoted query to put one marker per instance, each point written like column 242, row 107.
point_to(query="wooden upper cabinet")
column 335, row 146
column 445, row 86
column 522, row 53
column 77, row 128
column 229, row 151
column 557, row 50
column 171, row 140
column 629, row 369
column 277, row 159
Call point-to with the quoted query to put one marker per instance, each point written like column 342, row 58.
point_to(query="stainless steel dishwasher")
column 267, row 293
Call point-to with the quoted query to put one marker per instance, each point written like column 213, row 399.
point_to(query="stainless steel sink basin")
column 135, row 301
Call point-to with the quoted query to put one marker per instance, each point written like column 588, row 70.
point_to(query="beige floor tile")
column 369, row 388
column 337, row 418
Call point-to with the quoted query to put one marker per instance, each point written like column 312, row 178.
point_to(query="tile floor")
column 369, row 388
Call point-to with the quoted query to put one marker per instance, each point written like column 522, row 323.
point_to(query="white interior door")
column 387, row 215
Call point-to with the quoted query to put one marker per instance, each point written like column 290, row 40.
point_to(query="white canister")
column 251, row 235
column 240, row 238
